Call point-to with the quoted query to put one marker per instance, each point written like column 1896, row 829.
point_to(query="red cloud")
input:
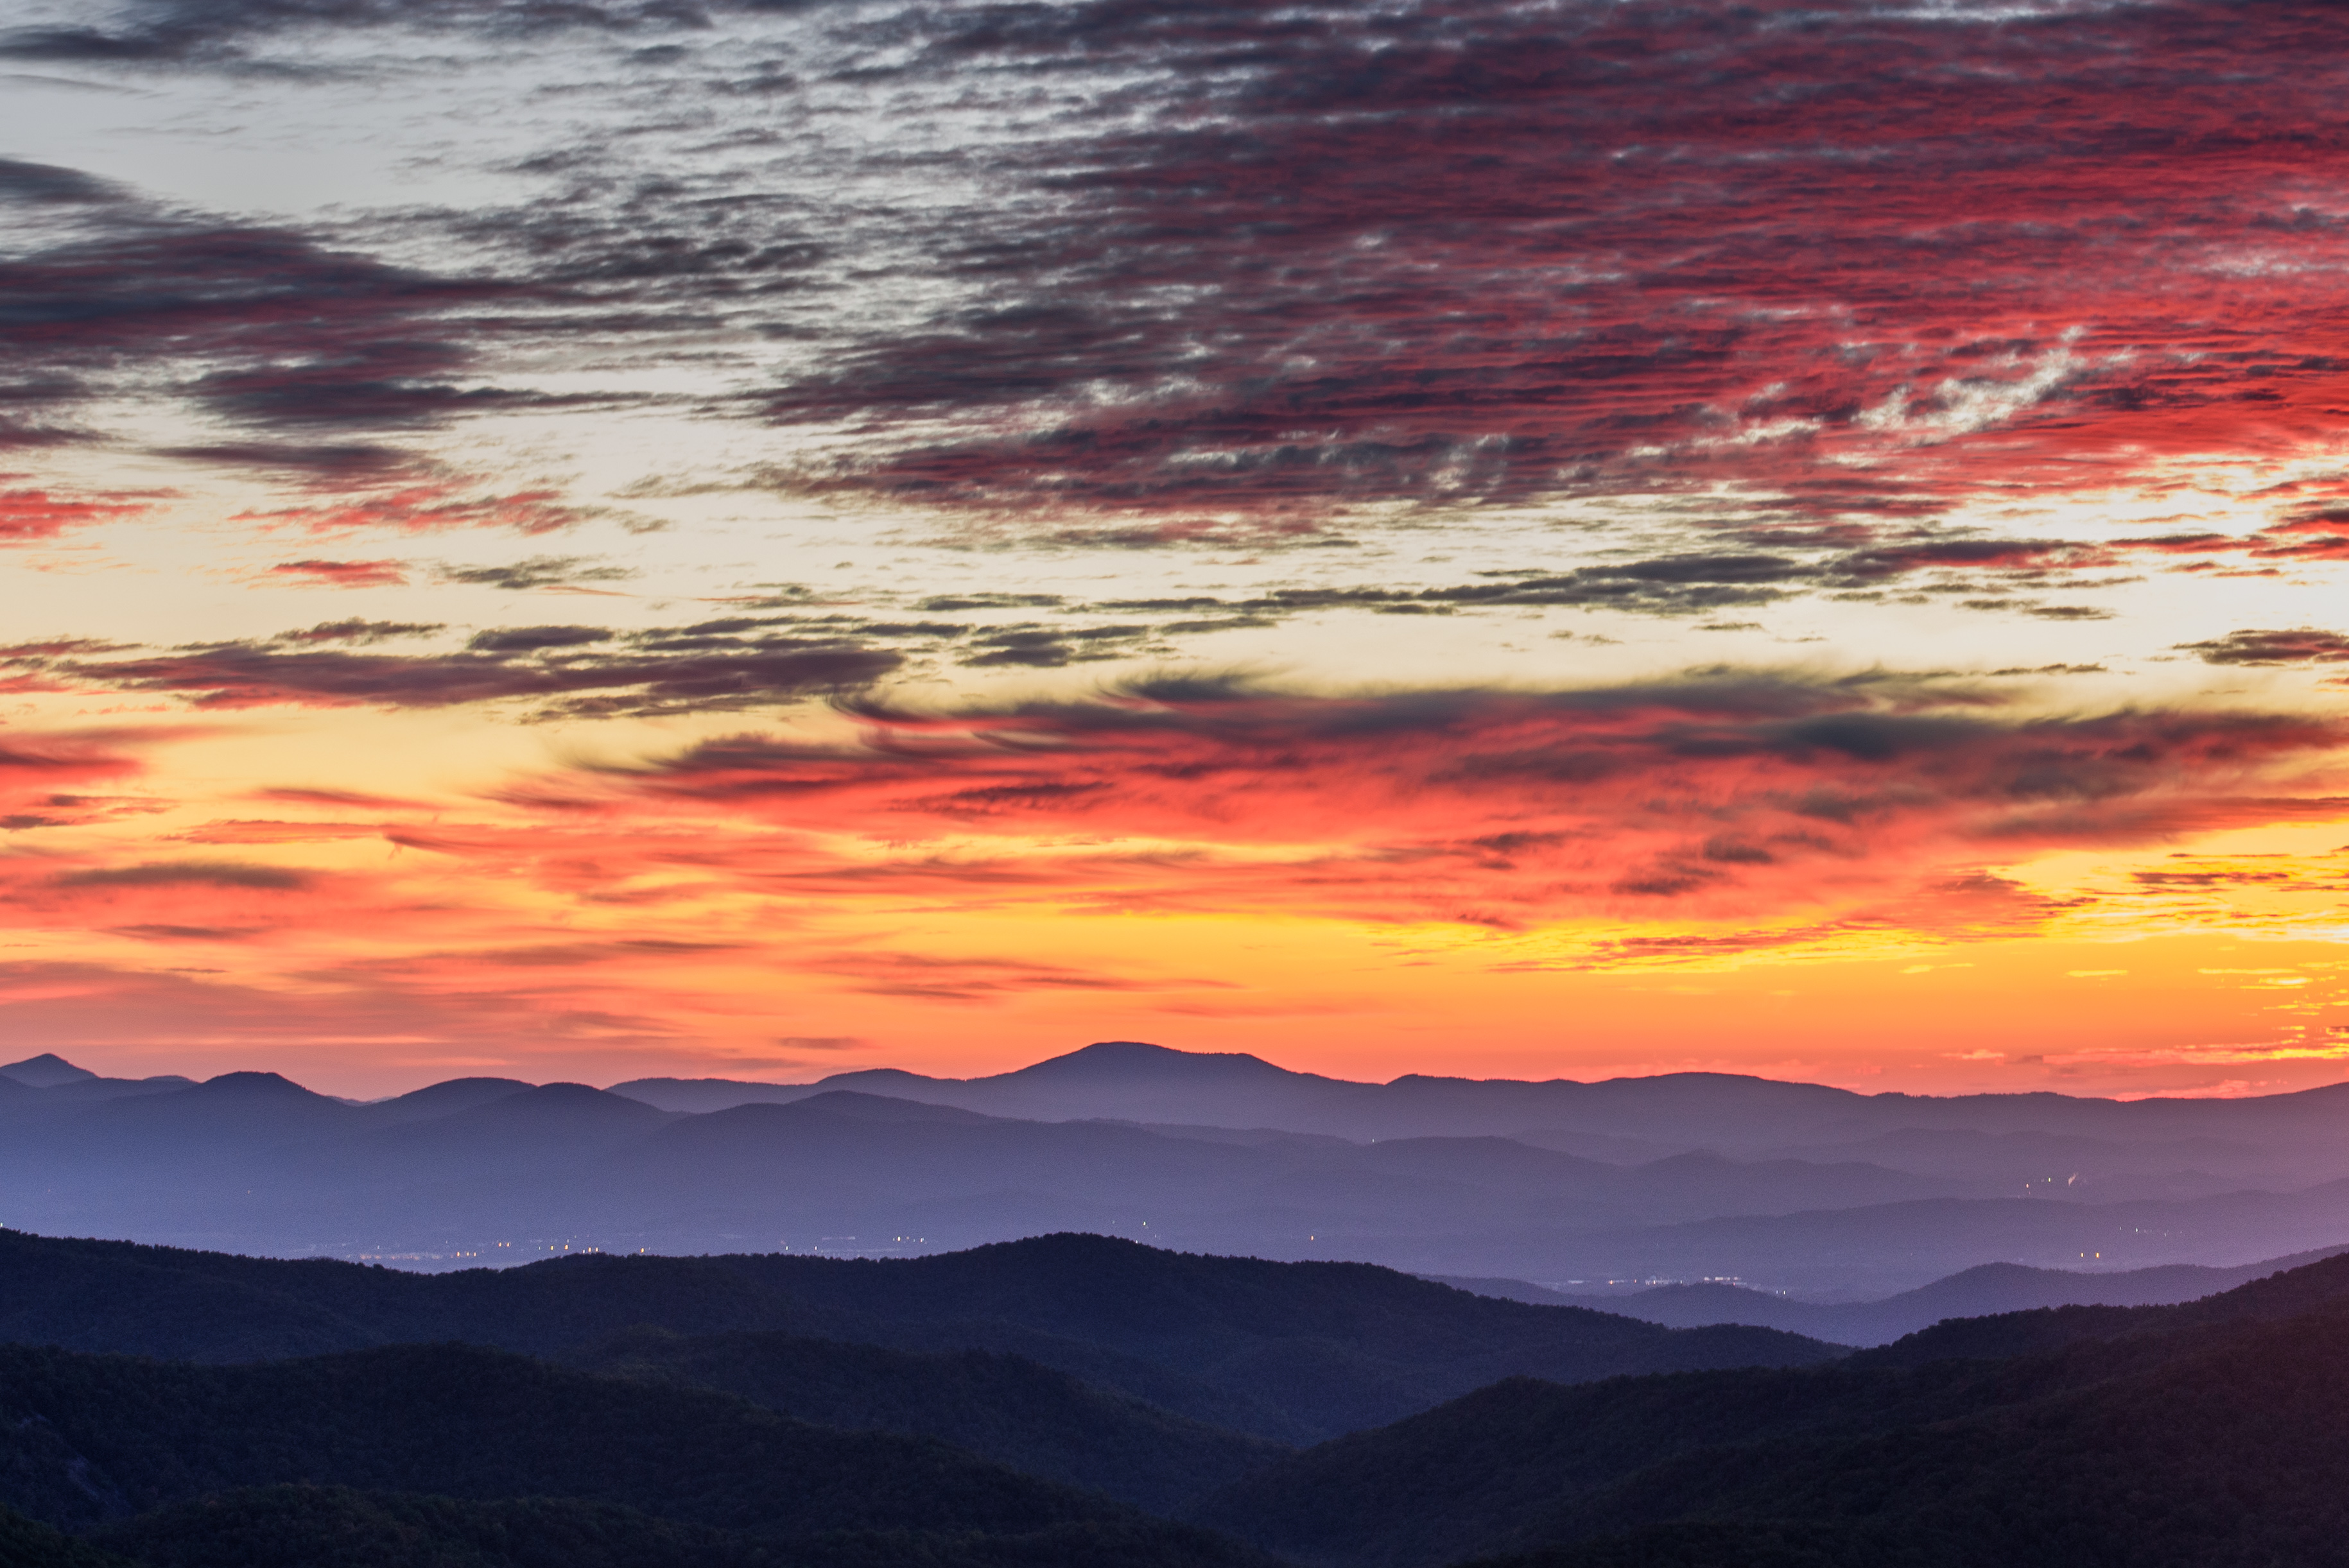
column 1871, row 261
column 30, row 514
column 430, row 506
column 345, row 573
column 43, row 777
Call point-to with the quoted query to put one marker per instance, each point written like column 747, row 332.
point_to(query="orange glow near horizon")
column 569, row 923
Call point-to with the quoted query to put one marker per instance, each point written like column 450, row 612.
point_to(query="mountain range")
column 1589, row 1191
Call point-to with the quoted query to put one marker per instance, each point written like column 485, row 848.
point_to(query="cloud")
column 44, row 184
column 223, row 31
column 929, row 977
column 538, row 572
column 360, row 631
column 2301, row 645
column 559, row 675
column 409, row 504
column 29, row 515
column 1753, row 792
column 345, row 573
column 1262, row 272
column 263, row 327
column 188, row 873
column 536, row 639
column 1489, row 253
column 44, row 775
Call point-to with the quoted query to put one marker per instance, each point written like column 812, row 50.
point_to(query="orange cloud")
column 1728, row 796
column 41, row 774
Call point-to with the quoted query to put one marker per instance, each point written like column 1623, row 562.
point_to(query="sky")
column 591, row 538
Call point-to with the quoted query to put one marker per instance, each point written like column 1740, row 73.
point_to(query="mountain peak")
column 46, row 1071
column 1129, row 1060
column 256, row 1085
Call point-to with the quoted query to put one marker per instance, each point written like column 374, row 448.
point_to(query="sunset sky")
column 583, row 539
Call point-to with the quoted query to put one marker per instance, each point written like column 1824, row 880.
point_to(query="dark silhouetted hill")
column 1882, row 1459
column 1005, row 1408
column 28, row 1544
column 2233, row 1456
column 88, row 1439
column 1333, row 1346
column 1286, row 1351
column 337, row 1527
column 2314, row 1287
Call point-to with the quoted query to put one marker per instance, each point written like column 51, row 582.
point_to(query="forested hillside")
column 1003, row 1408
column 90, row 1439
column 2210, row 1432
column 2164, row 1443
column 1290, row 1352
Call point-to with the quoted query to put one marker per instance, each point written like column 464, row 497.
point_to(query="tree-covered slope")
column 2235, row 1455
column 1006, row 1409
column 2285, row 1293
column 1336, row 1345
column 85, row 1439
column 1286, row 1351
column 335, row 1527
column 29, row 1543
column 2215, row 1433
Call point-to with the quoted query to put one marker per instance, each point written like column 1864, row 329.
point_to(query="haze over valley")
column 1585, row 1190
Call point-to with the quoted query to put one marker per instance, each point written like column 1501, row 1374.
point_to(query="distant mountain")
column 1883, row 1248
column 1008, row 1408
column 2316, row 1286
column 252, row 1162
column 2036, row 1137
column 1285, row 1351
column 62, row 1083
column 1979, row 1292
column 1132, row 1080
column 1226, row 1154
column 46, row 1071
column 2212, row 1433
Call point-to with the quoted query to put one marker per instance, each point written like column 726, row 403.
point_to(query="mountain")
column 2012, row 1138
column 487, row 1168
column 62, row 1083
column 1132, row 1081
column 1979, row 1292
column 1877, row 1249
column 2316, row 1286
column 1016, row 1412
column 46, row 1071
column 1285, row 1351
column 1332, row 1345
column 2216, row 1432
column 85, row 1439
column 1686, row 1178
column 2236, row 1457
column 252, row 1162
